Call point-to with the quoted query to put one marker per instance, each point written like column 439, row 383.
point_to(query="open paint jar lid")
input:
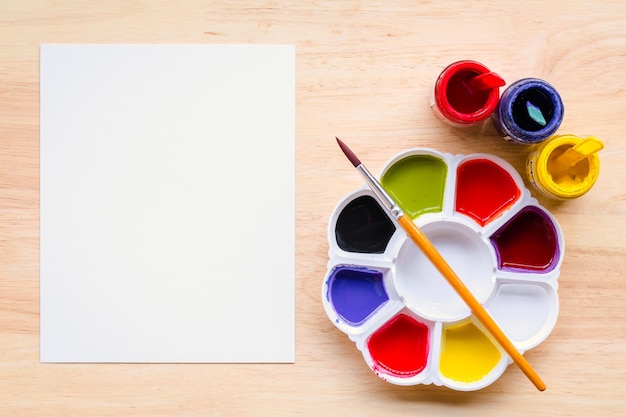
column 409, row 324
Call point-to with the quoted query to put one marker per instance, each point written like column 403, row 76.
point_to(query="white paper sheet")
column 167, row 203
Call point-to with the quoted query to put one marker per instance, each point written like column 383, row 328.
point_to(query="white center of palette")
column 425, row 291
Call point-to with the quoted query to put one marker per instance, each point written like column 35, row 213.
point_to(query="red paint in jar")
column 466, row 93
column 400, row 347
column 484, row 190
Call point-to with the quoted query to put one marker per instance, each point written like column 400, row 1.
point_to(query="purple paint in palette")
column 355, row 293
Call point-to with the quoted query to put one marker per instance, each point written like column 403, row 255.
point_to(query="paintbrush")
column 422, row 242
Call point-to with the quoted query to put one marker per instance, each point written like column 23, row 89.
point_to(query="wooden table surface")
column 364, row 73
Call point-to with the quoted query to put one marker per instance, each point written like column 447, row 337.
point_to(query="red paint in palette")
column 484, row 190
column 528, row 242
column 400, row 347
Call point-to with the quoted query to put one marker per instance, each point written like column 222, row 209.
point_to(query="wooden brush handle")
column 425, row 245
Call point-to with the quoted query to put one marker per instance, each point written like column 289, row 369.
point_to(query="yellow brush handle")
column 422, row 242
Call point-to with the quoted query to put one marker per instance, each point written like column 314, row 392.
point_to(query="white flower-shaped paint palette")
column 410, row 325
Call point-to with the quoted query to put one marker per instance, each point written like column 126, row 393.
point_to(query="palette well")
column 410, row 325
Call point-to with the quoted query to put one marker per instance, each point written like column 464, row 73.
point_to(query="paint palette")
column 409, row 324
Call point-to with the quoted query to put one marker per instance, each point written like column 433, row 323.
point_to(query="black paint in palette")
column 363, row 226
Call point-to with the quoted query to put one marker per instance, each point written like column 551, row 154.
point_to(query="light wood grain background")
column 364, row 73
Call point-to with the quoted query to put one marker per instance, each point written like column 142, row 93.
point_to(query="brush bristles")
column 348, row 153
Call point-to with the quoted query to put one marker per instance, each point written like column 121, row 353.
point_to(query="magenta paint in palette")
column 409, row 324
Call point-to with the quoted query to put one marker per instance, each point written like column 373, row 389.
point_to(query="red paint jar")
column 466, row 93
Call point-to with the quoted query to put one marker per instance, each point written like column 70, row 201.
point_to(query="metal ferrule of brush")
column 382, row 196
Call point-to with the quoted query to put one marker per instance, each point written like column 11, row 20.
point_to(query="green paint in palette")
column 417, row 183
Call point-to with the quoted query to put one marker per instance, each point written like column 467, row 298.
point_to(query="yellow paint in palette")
column 467, row 354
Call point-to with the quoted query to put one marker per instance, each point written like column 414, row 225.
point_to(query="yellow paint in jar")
column 467, row 354
column 565, row 166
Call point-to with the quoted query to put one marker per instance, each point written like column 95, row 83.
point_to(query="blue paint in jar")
column 530, row 110
column 356, row 293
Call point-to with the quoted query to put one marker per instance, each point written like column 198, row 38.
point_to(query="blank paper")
column 167, row 203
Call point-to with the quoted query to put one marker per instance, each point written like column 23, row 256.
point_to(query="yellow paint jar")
column 556, row 176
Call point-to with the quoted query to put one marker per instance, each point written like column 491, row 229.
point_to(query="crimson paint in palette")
column 527, row 242
column 484, row 190
column 400, row 347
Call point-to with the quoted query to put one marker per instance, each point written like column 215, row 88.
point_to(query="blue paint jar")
column 530, row 110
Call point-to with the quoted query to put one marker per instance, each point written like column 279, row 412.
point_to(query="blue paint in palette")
column 356, row 293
